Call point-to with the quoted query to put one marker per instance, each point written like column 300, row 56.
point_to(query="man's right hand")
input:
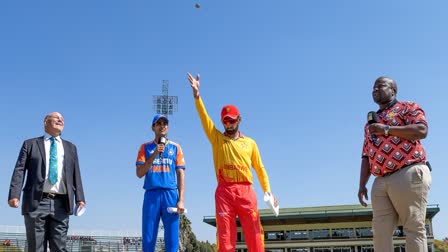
column 194, row 83
column 14, row 202
column 160, row 148
column 362, row 193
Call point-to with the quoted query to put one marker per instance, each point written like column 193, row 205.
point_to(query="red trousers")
column 232, row 200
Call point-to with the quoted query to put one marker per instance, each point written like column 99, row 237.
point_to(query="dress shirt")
column 59, row 187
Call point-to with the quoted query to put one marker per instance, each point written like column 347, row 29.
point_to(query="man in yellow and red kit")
column 234, row 154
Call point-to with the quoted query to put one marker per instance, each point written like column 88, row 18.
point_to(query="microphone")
column 162, row 140
column 372, row 117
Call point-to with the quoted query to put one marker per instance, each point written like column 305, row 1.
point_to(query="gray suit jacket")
column 30, row 171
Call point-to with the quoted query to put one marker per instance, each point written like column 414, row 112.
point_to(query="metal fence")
column 17, row 242
column 13, row 238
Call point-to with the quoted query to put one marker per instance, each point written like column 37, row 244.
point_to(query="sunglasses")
column 229, row 121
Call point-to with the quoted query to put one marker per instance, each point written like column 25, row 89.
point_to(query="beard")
column 232, row 131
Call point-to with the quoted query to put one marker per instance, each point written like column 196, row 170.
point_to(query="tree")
column 188, row 241
column 441, row 246
column 184, row 232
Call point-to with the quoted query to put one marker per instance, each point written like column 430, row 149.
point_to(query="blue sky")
column 301, row 73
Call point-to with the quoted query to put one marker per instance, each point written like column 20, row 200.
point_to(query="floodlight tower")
column 165, row 104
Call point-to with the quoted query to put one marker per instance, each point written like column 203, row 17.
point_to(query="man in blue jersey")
column 161, row 162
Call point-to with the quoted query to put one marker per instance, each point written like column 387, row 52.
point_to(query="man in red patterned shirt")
column 392, row 152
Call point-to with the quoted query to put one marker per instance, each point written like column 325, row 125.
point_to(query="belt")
column 404, row 167
column 53, row 195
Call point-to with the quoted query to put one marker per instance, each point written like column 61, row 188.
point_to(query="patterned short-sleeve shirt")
column 387, row 154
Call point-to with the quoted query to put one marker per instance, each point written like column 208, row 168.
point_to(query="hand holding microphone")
column 372, row 118
column 161, row 145
column 375, row 127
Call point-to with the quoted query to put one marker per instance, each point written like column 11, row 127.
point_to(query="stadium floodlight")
column 164, row 104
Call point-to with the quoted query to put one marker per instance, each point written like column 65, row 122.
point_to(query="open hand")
column 195, row 84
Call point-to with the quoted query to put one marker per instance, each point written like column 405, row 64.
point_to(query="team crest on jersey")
column 171, row 152
column 391, row 115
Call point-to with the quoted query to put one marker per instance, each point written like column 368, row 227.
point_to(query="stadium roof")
column 321, row 214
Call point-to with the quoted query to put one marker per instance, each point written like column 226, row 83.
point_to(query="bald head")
column 54, row 123
column 388, row 81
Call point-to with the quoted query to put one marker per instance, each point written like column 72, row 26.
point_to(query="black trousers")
column 49, row 222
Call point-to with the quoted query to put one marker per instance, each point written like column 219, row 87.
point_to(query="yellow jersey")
column 233, row 159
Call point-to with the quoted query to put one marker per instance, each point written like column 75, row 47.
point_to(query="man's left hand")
column 180, row 207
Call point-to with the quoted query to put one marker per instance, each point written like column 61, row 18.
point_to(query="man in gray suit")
column 52, row 183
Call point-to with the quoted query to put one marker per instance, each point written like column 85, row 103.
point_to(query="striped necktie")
column 53, row 172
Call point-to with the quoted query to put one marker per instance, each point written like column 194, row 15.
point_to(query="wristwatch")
column 386, row 130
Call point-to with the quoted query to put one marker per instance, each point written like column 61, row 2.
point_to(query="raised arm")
column 195, row 84
column 207, row 123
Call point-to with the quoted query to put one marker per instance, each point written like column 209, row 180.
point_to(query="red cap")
column 229, row 111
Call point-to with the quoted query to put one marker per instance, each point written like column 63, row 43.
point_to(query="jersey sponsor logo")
column 160, row 161
column 160, row 168
column 234, row 167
